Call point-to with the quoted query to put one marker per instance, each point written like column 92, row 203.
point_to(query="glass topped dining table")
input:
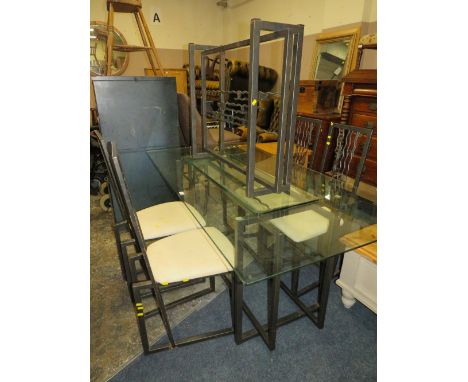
column 272, row 234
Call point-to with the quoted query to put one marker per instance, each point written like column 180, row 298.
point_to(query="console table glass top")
column 314, row 209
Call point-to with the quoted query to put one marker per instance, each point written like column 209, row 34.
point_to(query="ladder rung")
column 130, row 48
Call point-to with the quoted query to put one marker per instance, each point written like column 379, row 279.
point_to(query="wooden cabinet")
column 318, row 96
column 306, row 97
column 358, row 277
column 360, row 109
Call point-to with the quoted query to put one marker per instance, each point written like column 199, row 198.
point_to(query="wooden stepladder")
column 130, row 6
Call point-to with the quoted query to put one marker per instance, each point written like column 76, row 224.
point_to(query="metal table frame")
column 315, row 312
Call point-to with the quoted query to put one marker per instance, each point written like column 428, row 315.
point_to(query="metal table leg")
column 327, row 269
column 238, row 291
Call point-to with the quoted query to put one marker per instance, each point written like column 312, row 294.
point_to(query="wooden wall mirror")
column 335, row 54
column 97, row 43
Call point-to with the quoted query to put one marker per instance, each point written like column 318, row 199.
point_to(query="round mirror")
column 97, row 55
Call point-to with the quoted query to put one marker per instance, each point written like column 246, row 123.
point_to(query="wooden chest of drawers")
column 360, row 109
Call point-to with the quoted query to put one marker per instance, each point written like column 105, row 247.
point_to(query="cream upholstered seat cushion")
column 190, row 255
column 168, row 219
column 302, row 226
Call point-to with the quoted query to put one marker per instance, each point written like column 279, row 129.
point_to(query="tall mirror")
column 335, row 54
column 334, row 57
column 97, row 45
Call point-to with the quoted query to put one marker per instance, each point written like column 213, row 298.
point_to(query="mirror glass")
column 335, row 54
column 97, row 55
column 331, row 59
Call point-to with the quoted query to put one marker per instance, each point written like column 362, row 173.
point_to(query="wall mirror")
column 97, row 55
column 335, row 54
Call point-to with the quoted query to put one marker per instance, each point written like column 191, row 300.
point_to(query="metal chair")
column 307, row 132
column 156, row 221
column 352, row 145
column 306, row 139
column 179, row 258
column 350, row 152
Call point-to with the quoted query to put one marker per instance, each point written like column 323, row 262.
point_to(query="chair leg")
column 295, row 281
column 141, row 286
column 237, row 291
column 123, row 259
column 136, row 292
column 231, row 294
column 163, row 314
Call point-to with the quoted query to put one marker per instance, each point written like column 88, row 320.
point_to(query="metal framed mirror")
column 97, row 54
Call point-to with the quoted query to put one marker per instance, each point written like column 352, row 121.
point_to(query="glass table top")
column 273, row 233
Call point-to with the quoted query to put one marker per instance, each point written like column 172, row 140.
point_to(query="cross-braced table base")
column 315, row 312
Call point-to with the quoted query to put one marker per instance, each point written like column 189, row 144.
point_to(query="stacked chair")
column 182, row 254
column 157, row 221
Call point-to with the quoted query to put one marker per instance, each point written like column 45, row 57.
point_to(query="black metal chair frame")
column 127, row 262
column 342, row 158
column 339, row 172
column 151, row 283
column 304, row 135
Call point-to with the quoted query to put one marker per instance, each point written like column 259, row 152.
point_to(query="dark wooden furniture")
column 360, row 109
column 361, row 48
column 318, row 96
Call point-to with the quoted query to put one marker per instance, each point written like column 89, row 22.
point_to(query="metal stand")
column 238, row 107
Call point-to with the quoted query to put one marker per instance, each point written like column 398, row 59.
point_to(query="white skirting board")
column 358, row 281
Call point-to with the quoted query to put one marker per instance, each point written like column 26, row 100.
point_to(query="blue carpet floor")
column 345, row 350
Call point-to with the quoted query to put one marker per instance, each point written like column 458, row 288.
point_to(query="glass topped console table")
column 264, row 249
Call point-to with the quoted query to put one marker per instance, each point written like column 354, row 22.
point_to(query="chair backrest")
column 127, row 209
column 307, row 134
column 110, row 171
column 352, row 145
column 115, row 187
column 183, row 102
